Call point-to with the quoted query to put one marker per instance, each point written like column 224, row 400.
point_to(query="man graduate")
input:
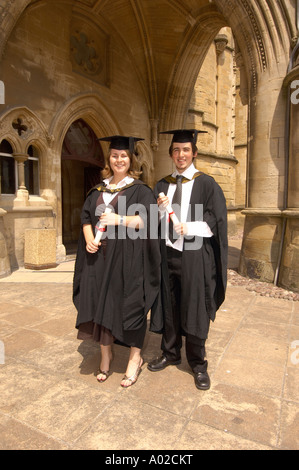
column 194, row 257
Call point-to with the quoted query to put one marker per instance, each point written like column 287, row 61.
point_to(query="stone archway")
column 164, row 47
column 89, row 109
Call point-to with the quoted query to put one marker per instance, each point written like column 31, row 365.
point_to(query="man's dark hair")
column 194, row 148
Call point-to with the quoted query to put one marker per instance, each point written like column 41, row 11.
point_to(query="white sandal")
column 134, row 377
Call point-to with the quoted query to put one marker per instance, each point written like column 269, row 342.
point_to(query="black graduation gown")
column 118, row 290
column 204, row 270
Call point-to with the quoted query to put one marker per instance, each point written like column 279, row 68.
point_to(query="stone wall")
column 46, row 83
column 216, row 107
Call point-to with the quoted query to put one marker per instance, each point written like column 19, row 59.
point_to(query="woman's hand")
column 110, row 219
column 163, row 202
column 92, row 247
column 132, row 221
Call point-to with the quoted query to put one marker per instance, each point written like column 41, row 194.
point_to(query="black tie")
column 176, row 206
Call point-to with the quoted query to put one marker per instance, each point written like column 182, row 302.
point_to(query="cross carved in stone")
column 19, row 126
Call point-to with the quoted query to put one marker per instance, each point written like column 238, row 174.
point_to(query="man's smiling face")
column 182, row 155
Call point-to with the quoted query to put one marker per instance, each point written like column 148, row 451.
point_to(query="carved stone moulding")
column 220, row 43
column 89, row 51
column 21, row 126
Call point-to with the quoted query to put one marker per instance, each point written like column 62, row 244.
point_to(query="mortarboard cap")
column 184, row 135
column 120, row 142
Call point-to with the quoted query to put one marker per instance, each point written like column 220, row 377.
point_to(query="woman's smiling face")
column 119, row 162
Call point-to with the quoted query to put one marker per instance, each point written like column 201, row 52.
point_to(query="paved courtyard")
column 50, row 398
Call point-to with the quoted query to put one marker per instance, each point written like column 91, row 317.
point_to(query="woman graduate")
column 116, row 282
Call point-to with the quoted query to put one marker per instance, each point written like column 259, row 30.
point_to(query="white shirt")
column 199, row 228
column 108, row 197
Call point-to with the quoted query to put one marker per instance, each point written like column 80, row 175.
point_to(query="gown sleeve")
column 81, row 249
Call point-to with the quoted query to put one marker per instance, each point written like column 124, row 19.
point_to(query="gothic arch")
column 90, row 108
column 10, row 13
column 84, row 106
column 260, row 32
column 190, row 57
column 12, row 141
column 261, row 29
column 28, row 128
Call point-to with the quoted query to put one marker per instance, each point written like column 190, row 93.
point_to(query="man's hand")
column 181, row 229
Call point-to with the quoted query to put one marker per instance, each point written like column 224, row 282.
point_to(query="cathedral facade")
column 73, row 71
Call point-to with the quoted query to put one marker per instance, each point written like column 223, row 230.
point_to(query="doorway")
column 82, row 162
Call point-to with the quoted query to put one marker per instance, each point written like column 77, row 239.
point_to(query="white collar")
column 188, row 173
column 123, row 182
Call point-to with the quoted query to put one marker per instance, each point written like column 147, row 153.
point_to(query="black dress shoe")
column 161, row 363
column 202, row 380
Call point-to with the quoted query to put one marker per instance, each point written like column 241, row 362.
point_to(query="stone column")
column 266, row 170
column 162, row 162
column 4, row 258
column 289, row 266
column 22, row 196
column 221, row 97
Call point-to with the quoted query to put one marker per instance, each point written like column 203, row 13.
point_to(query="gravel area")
column 265, row 289
column 261, row 288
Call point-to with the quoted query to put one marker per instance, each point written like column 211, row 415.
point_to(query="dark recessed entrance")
column 81, row 163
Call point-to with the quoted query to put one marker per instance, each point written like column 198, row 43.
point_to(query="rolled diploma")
column 170, row 212
column 101, row 228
